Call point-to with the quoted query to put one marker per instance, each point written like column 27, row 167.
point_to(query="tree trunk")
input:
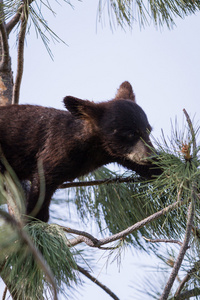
column 6, row 77
column 6, row 86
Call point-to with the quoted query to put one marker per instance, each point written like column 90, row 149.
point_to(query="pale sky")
column 162, row 65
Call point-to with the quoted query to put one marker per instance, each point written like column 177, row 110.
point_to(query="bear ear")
column 125, row 91
column 82, row 109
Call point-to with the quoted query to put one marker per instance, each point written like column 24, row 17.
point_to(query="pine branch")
column 189, row 226
column 20, row 57
column 37, row 255
column 75, row 241
column 93, row 242
column 83, row 237
column 97, row 282
column 96, row 182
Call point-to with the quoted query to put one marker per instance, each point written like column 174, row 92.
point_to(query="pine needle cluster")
column 25, row 277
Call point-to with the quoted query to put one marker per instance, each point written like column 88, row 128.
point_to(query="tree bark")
column 6, row 87
column 6, row 77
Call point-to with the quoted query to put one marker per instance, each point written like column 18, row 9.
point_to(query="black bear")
column 74, row 142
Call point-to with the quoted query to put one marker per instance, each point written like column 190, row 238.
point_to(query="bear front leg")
column 38, row 200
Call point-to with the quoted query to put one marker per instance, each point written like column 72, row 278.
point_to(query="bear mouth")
column 139, row 154
column 136, row 158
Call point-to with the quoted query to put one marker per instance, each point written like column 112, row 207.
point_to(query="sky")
column 162, row 65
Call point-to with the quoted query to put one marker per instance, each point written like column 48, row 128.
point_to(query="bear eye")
column 131, row 136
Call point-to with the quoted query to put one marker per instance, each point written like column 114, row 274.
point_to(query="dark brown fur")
column 75, row 142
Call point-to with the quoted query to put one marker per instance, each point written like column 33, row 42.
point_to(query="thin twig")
column 96, row 182
column 94, row 242
column 20, row 56
column 97, row 282
column 163, row 241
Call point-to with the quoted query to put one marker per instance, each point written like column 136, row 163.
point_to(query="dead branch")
column 97, row 282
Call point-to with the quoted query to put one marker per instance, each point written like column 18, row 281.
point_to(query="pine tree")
column 38, row 260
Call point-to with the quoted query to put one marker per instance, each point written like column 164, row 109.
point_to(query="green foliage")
column 116, row 206
column 111, row 205
column 27, row 269
column 52, row 243
column 11, row 191
column 12, row 194
column 34, row 13
column 159, row 12
column 120, row 12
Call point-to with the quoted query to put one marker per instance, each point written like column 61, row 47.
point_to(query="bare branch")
column 83, row 237
column 96, row 281
column 80, row 239
column 140, row 224
column 20, row 57
column 163, row 241
column 96, row 182
column 93, row 242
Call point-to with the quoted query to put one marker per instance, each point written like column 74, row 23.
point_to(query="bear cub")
column 73, row 143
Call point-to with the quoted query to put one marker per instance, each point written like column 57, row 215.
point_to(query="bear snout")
column 140, row 153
